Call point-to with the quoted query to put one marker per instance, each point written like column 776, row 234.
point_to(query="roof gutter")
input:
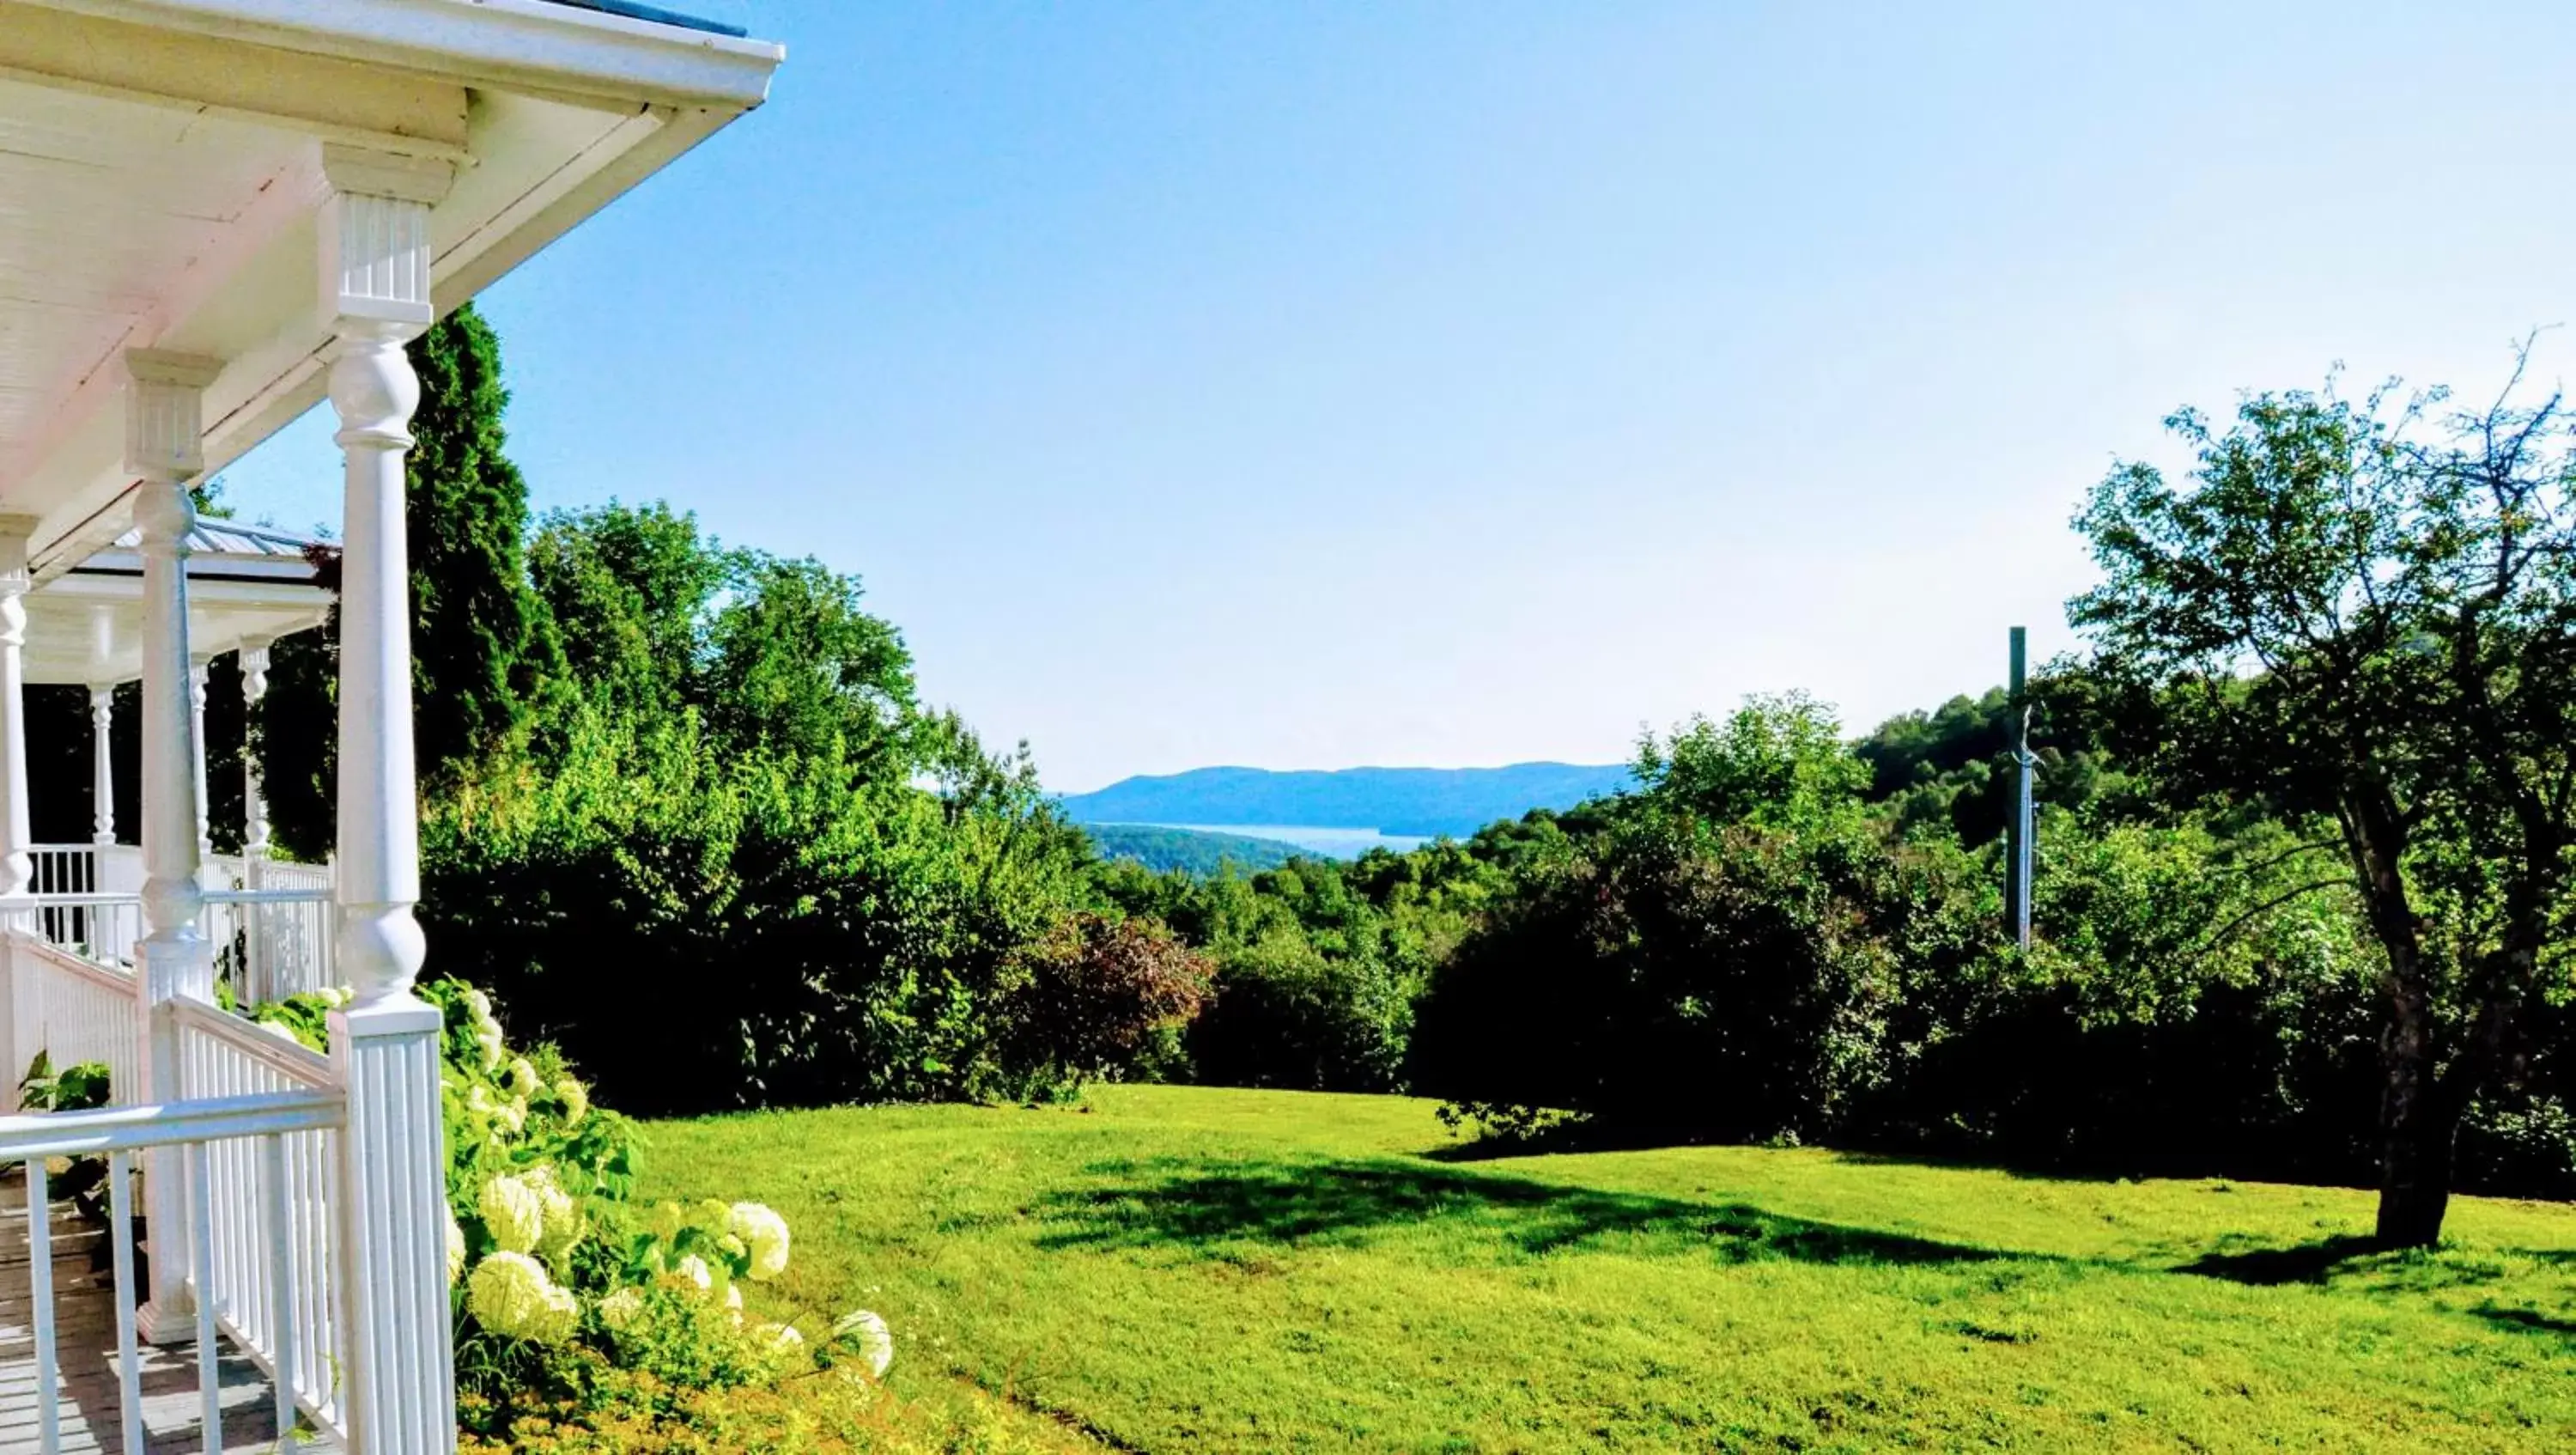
column 537, row 45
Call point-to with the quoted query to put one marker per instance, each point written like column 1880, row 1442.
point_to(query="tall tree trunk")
column 2418, row 1122
column 2418, row 1126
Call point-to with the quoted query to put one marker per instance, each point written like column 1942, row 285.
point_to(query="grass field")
column 1181, row 1270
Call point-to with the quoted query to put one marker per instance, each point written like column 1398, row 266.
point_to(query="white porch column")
column 385, row 1043
column 163, row 447
column 17, row 862
column 102, row 764
column 197, row 739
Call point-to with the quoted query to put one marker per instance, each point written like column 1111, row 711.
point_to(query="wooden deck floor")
column 85, row 1348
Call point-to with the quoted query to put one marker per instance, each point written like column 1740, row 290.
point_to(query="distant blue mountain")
column 1407, row 801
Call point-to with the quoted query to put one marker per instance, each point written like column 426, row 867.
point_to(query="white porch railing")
column 252, row 1130
column 72, row 1008
column 65, row 869
column 264, row 1264
column 275, row 942
column 268, row 943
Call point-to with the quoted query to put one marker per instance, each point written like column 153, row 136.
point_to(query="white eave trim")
column 533, row 44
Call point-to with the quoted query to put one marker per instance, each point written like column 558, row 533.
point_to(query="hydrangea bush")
column 568, row 1294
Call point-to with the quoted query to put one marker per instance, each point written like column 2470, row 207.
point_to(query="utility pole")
column 2017, row 829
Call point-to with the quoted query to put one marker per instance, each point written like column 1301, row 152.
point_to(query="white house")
column 215, row 214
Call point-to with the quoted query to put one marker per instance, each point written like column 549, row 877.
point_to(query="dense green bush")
column 1739, row 982
column 707, row 929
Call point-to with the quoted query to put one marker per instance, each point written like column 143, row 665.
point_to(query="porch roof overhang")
column 161, row 181
column 246, row 585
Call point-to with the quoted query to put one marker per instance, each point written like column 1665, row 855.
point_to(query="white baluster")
column 384, row 1045
column 197, row 740
column 102, row 774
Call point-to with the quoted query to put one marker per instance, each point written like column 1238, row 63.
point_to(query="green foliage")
column 1736, row 981
column 836, row 938
column 1779, row 762
column 1319, row 963
column 482, row 644
column 79, row 1087
column 1188, row 851
column 2364, row 618
column 630, row 589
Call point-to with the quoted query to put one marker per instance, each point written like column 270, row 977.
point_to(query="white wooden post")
column 385, row 1043
column 102, row 772
column 197, row 738
column 17, row 861
column 255, row 952
column 17, row 864
column 163, row 447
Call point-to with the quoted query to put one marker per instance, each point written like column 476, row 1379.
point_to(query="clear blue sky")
column 1330, row 384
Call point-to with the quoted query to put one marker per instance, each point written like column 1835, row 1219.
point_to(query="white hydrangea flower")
column 868, row 1334
column 477, row 1004
column 511, row 1295
column 513, row 1114
column 513, row 1213
column 621, row 1310
column 487, row 1038
column 575, row 1098
column 782, row 1338
column 561, row 1223
column 455, row 1251
column 764, row 1233
column 523, row 1077
column 733, row 1302
column 694, row 1269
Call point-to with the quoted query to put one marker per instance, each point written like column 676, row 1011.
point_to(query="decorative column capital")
column 164, row 413
column 254, row 667
column 375, row 239
column 15, row 533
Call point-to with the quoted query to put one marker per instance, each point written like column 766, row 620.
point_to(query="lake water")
column 1331, row 842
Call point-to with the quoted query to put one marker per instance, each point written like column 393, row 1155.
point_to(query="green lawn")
column 1180, row 1270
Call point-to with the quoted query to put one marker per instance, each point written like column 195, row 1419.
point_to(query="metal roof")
column 214, row 535
column 218, row 550
column 657, row 15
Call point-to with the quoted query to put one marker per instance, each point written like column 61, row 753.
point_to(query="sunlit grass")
column 1177, row 1269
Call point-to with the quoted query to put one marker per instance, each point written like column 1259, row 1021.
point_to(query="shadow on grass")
column 2271, row 1267
column 1346, row 1201
column 2526, row 1320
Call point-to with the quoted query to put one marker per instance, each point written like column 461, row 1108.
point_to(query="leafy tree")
column 794, row 665
column 2364, row 617
column 630, row 589
column 1778, row 761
